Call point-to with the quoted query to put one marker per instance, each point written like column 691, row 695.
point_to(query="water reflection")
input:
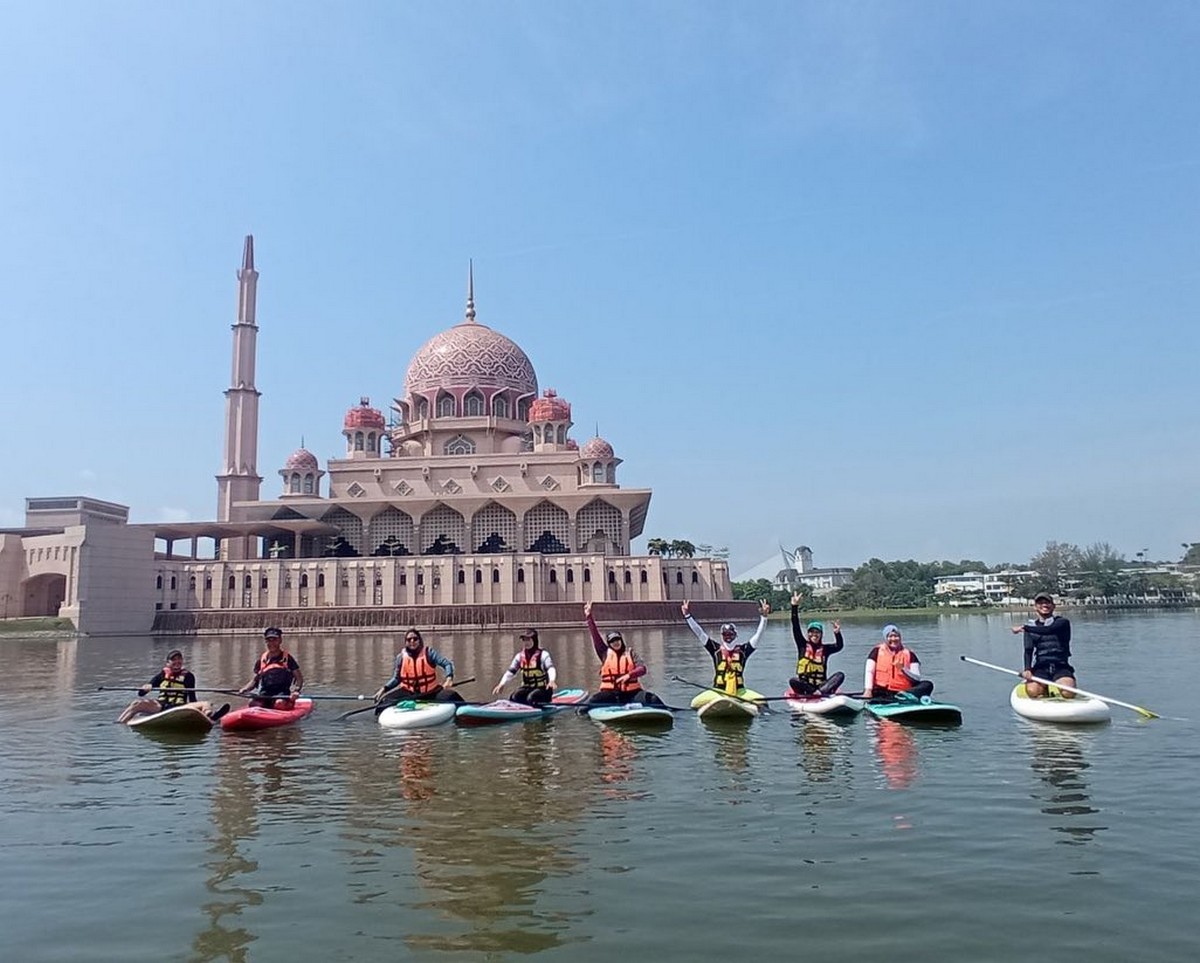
column 1058, row 758
column 730, row 741
column 252, row 772
column 896, row 748
column 821, row 740
column 479, row 819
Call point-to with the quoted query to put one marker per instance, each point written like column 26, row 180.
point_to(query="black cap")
column 1044, row 597
column 273, row 633
column 529, row 634
column 614, row 637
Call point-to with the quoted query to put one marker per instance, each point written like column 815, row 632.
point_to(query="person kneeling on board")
column 1047, row 649
column 414, row 675
column 620, row 669
column 277, row 678
column 892, row 669
column 537, row 672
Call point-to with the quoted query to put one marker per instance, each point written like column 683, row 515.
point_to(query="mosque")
column 468, row 504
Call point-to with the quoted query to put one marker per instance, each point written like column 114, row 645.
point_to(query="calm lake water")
column 565, row 840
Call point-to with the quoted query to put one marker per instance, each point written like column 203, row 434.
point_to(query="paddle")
column 385, row 703
column 149, row 689
column 727, row 695
column 1083, row 692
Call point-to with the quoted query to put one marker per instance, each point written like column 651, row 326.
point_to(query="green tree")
column 658, row 546
column 1191, row 553
column 1054, row 563
column 681, row 548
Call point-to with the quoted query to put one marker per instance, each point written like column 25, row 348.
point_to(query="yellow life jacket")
column 729, row 670
column 810, row 667
column 172, row 691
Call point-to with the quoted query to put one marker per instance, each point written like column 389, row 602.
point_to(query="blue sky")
column 888, row 279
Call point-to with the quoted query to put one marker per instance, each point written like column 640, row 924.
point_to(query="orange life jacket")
column 416, row 674
column 888, row 666
column 615, row 664
column 277, row 666
column 532, row 674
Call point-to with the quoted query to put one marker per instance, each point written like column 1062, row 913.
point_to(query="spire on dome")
column 248, row 254
column 470, row 315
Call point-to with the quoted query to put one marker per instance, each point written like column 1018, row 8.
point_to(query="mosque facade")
column 468, row 500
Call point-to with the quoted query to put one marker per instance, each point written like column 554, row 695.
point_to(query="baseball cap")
column 1043, row 597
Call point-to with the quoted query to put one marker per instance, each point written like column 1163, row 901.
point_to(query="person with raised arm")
column 1047, row 649
column 621, row 670
column 892, row 669
column 729, row 657
column 537, row 672
column 812, row 656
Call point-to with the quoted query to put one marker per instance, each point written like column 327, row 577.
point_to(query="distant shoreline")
column 827, row 615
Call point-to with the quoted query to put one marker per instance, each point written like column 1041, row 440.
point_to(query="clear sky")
column 886, row 279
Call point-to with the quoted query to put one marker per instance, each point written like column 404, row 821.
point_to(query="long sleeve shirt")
column 436, row 659
column 544, row 662
column 601, row 647
column 714, row 648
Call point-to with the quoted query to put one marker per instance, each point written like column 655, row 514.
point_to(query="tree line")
column 1097, row 571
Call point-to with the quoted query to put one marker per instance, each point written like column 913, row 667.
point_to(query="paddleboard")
column 633, row 714
column 713, row 705
column 1054, row 708
column 923, row 710
column 250, row 718
column 417, row 715
column 506, row 710
column 192, row 717
column 830, row 705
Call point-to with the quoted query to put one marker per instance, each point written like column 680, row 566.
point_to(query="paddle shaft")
column 727, row 695
column 1083, row 692
column 382, row 704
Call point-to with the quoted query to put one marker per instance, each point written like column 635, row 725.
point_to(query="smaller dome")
column 550, row 407
column 597, row 448
column 301, row 460
column 364, row 416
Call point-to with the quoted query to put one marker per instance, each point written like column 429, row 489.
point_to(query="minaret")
column 239, row 480
column 469, row 317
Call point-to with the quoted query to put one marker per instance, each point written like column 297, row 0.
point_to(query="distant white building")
column 798, row 569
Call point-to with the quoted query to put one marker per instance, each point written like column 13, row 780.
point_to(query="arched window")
column 358, row 441
column 598, row 473
column 473, row 405
column 263, row 583
column 445, row 406
column 462, row 577
column 308, row 484
column 304, row 580
column 459, row 445
column 232, row 583
column 192, row 583
column 294, row 484
column 628, row 577
column 247, row 582
column 679, row 578
column 695, row 578
column 158, row 582
column 644, row 580
column 562, row 434
column 520, row 575
column 612, row 577
column 500, row 407
column 612, row 473
column 370, row 441
column 553, row 576
column 523, row 409
column 172, row 583
column 320, row 580
column 570, row 575
column 537, row 434
column 423, row 409
column 208, row 581
column 495, row 575
column 587, row 574
column 478, row 577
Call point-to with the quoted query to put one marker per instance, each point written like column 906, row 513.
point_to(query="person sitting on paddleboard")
column 893, row 668
column 729, row 657
column 621, row 670
column 1047, row 648
column 414, row 674
column 536, row 669
column 176, row 687
column 277, row 677
column 812, row 656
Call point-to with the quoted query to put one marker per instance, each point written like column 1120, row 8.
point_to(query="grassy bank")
column 29, row 626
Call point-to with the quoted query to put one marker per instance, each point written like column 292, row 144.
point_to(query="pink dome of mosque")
column 597, row 448
column 470, row 355
column 364, row 416
column 550, row 407
column 301, row 460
